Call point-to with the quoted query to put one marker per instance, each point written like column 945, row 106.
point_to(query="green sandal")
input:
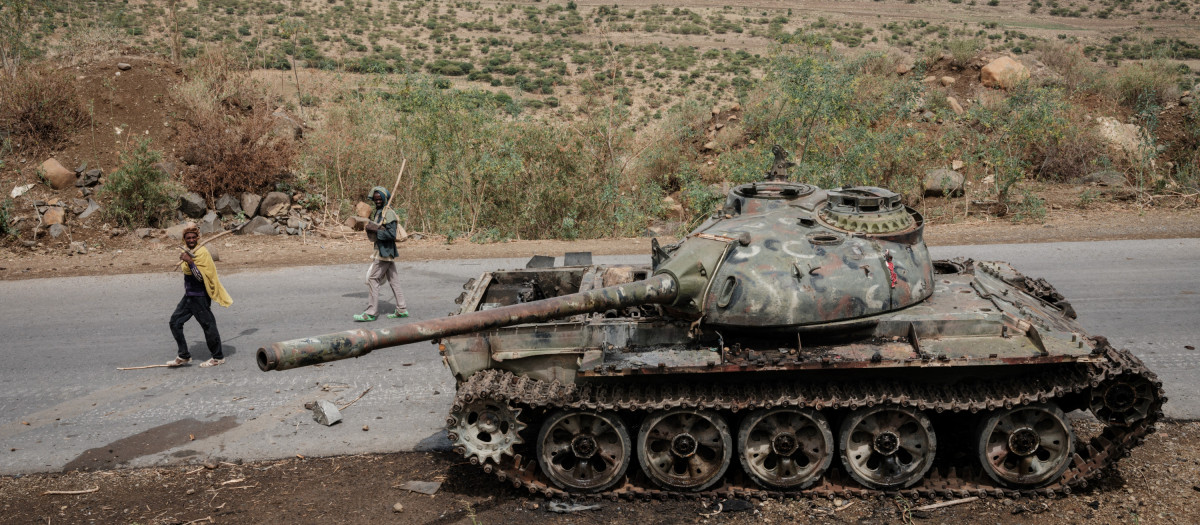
column 398, row 314
column 364, row 317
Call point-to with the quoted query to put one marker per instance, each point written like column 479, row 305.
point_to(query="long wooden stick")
column 950, row 503
column 403, row 163
column 141, row 367
column 70, row 492
column 360, row 396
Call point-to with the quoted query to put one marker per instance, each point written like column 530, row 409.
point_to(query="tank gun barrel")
column 285, row 355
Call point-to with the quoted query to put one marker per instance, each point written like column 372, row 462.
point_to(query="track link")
column 1103, row 451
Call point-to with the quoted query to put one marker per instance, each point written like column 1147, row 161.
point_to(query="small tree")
column 140, row 193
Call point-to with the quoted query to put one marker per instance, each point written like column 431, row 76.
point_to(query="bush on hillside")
column 139, row 194
column 41, row 107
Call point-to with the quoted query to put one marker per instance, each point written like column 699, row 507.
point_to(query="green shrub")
column 6, row 217
column 139, row 194
column 1140, row 85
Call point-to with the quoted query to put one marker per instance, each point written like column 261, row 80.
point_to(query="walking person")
column 382, row 230
column 200, row 288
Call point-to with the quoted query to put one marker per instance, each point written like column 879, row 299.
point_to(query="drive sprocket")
column 484, row 429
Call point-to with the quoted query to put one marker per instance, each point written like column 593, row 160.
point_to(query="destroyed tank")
column 799, row 342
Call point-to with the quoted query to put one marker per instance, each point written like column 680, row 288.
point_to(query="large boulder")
column 942, row 181
column 362, row 209
column 176, row 231
column 210, row 223
column 1003, row 73
column 250, row 203
column 58, row 176
column 228, row 206
column 1105, row 178
column 270, row 203
column 1123, row 137
column 260, row 226
column 193, row 205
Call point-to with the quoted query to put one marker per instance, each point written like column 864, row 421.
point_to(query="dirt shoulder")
column 1159, row 483
column 126, row 254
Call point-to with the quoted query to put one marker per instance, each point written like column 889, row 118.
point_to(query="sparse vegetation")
column 40, row 107
column 139, row 193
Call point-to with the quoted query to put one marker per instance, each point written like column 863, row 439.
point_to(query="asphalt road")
column 64, row 404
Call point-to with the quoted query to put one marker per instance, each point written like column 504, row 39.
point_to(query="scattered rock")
column 903, row 69
column 250, row 203
column 942, row 181
column 1003, row 73
column 929, row 79
column 362, row 209
column 142, row 233
column 397, row 508
column 228, row 206
column 709, row 146
column 92, row 206
column 123, row 66
column 955, row 106
column 20, row 190
column 366, row 428
column 117, row 232
column 326, row 413
column 78, row 205
column 947, row 81
column 272, row 202
column 356, row 223
column 53, row 215
column 79, row 247
column 285, row 124
column 260, row 226
column 89, row 178
column 168, row 167
column 192, row 204
column 956, row 165
column 56, row 230
column 58, row 176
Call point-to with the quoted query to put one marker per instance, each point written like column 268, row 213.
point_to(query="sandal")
column 211, row 362
column 364, row 317
column 398, row 314
column 178, row 362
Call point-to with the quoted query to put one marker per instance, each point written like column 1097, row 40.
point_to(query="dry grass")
column 40, row 107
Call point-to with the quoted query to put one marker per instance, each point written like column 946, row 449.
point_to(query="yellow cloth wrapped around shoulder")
column 208, row 269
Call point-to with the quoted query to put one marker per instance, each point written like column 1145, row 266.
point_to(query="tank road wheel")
column 1124, row 400
column 484, row 430
column 684, row 449
column 786, row 448
column 1026, row 446
column 887, row 447
column 583, row 451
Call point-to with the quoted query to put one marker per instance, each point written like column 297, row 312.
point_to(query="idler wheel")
column 484, row 430
column 1026, row 446
column 887, row 447
column 684, row 449
column 583, row 451
column 1124, row 400
column 785, row 448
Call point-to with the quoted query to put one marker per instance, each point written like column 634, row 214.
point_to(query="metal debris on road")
column 428, row 488
column 567, row 508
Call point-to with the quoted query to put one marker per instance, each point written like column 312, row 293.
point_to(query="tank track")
column 1103, row 451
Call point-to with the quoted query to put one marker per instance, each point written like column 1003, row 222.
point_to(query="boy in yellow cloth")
column 200, row 287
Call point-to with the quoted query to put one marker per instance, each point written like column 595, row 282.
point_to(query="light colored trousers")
column 384, row 271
